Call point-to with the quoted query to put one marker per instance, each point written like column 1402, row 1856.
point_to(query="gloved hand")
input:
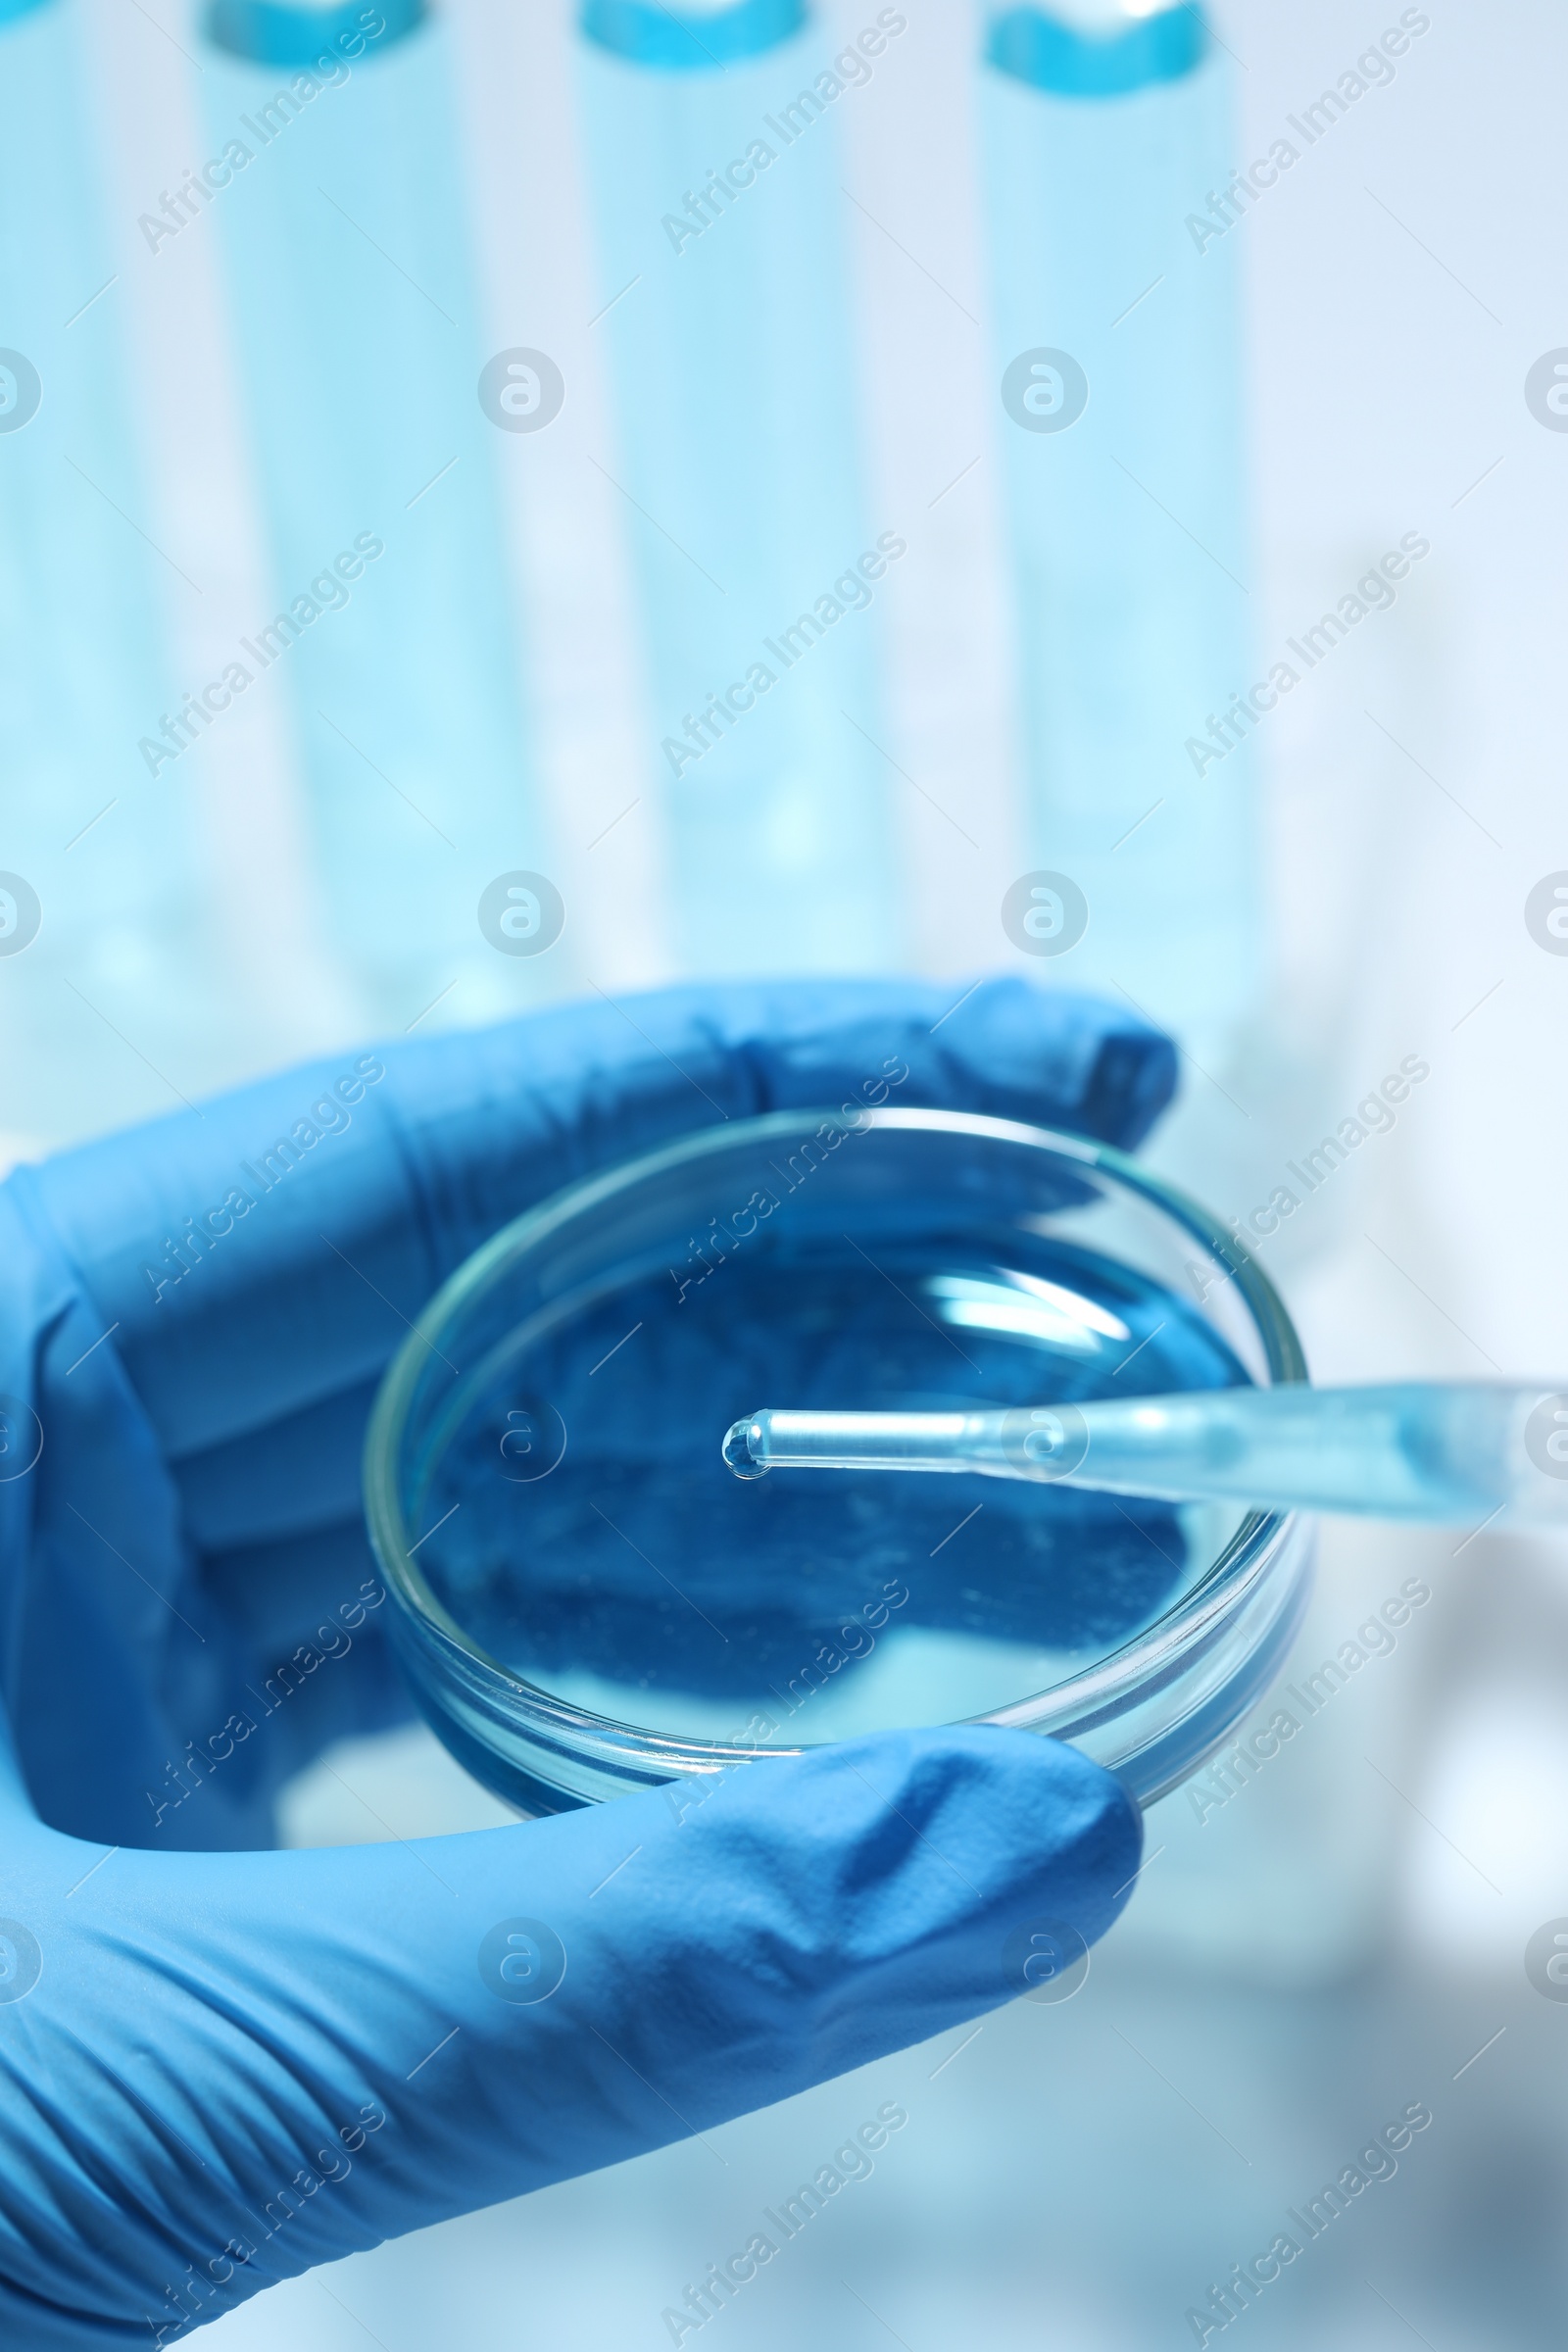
column 220, row 2067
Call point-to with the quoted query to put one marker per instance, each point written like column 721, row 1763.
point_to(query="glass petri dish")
column 587, row 1601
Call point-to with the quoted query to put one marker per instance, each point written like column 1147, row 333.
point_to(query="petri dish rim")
column 1129, row 1673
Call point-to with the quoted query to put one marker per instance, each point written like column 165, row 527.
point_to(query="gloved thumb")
column 305, row 2053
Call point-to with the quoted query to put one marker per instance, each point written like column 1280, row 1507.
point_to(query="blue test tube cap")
column 1036, row 45
column 690, row 40
column 296, row 32
column 9, row 10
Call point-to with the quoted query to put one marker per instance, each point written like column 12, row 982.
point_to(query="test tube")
column 1108, row 125
column 350, row 277
column 714, row 142
column 101, row 878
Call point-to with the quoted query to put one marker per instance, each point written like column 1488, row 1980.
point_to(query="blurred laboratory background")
column 501, row 503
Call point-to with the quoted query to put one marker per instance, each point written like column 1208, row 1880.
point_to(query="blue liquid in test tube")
column 715, row 187
column 1105, row 126
column 350, row 265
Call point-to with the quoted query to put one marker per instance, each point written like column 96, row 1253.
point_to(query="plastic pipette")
column 1413, row 1450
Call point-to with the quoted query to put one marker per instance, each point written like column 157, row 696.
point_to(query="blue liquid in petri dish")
column 605, row 1554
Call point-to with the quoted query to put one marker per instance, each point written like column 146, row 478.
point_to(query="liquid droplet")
column 738, row 1453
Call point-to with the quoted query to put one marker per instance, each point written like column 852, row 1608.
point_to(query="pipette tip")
column 738, row 1449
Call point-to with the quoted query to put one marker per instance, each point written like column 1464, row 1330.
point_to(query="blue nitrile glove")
column 216, row 2067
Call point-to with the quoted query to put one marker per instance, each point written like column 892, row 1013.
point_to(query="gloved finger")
column 364, row 1206
column 275, row 2060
